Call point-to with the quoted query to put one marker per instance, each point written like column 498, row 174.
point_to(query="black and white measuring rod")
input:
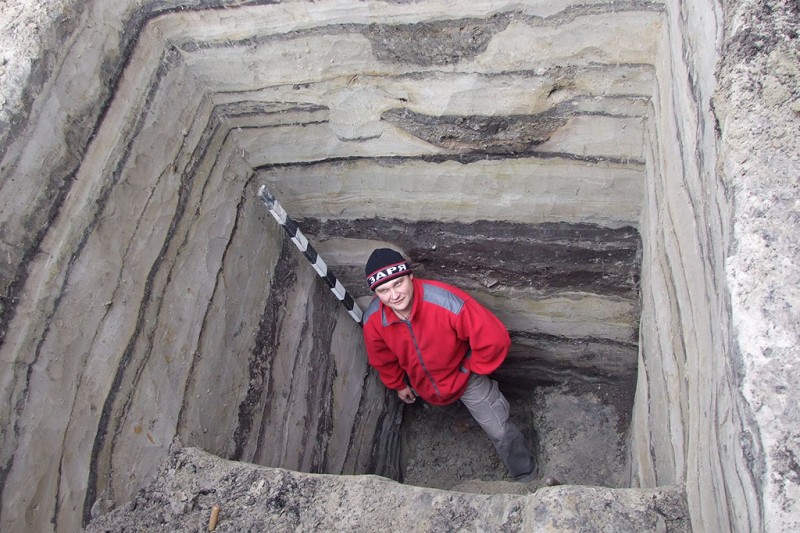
column 294, row 233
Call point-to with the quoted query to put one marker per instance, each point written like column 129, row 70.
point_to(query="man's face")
column 397, row 294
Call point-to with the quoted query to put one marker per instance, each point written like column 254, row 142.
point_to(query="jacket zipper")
column 419, row 356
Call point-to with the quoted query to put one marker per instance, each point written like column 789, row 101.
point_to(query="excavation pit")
column 615, row 180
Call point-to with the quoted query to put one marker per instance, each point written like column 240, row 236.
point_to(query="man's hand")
column 407, row 395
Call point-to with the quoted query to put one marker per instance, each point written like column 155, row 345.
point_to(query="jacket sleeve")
column 488, row 337
column 382, row 359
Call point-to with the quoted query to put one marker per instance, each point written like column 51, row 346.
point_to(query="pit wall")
column 169, row 304
column 692, row 425
column 155, row 297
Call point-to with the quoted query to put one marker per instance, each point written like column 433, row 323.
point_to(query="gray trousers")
column 490, row 409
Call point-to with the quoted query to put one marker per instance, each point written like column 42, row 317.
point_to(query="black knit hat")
column 383, row 265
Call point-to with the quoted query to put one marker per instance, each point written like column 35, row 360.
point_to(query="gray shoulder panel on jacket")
column 443, row 298
column 373, row 307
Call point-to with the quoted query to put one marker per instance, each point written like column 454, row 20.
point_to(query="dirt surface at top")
column 24, row 29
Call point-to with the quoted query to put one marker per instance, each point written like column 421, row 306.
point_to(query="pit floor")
column 577, row 431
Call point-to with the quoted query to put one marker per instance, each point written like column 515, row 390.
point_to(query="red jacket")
column 433, row 347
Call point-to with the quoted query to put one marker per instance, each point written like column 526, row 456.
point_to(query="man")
column 433, row 340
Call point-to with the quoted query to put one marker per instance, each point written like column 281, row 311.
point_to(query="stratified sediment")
column 615, row 180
